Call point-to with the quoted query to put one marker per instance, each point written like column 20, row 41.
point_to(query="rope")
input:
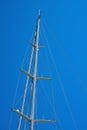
column 62, row 88
column 66, row 57
column 10, row 122
column 14, row 99
column 53, row 104
column 28, row 104
column 54, row 108
column 22, row 64
column 24, row 58
column 25, row 90
column 66, row 99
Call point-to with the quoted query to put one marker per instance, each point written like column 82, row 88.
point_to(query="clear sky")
column 65, row 25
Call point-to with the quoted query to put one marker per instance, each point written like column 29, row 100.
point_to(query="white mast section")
column 35, row 73
column 25, row 91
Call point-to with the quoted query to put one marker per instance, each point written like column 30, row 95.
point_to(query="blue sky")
column 65, row 25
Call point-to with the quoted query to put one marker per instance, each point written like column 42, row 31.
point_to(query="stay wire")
column 28, row 104
column 50, row 104
column 16, row 90
column 62, row 88
column 52, row 90
column 11, row 116
column 19, row 75
column 66, row 57
column 54, row 108
column 54, row 111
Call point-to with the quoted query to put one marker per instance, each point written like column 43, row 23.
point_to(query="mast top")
column 39, row 13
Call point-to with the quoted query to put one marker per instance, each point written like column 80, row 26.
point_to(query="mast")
column 35, row 72
column 25, row 90
column 34, row 78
